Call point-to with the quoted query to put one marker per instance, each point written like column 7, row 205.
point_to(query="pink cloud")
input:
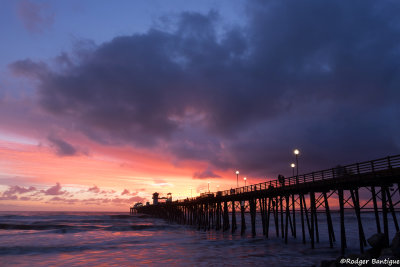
column 108, row 192
column 94, row 189
column 95, row 201
column 125, row 192
column 127, row 201
column 70, row 201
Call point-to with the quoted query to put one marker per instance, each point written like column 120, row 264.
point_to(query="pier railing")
column 372, row 166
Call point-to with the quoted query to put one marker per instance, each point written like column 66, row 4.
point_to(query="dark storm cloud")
column 320, row 75
column 62, row 148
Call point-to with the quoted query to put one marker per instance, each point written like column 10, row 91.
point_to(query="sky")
column 103, row 103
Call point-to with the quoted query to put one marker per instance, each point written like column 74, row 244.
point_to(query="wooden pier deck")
column 301, row 197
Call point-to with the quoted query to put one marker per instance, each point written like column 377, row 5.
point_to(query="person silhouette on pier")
column 281, row 179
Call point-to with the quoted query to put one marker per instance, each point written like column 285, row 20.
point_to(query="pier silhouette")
column 301, row 197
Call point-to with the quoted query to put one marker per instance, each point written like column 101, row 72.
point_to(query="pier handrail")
column 371, row 166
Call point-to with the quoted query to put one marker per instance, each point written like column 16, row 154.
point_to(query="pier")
column 305, row 197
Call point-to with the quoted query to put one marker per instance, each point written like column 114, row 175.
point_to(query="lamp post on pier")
column 296, row 153
column 293, row 165
column 237, row 178
column 208, row 186
column 244, row 181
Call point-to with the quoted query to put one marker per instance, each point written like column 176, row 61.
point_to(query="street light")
column 218, row 187
column 208, row 186
column 244, row 181
column 293, row 165
column 297, row 152
column 237, row 178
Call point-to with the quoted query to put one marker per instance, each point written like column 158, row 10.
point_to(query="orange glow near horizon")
column 111, row 169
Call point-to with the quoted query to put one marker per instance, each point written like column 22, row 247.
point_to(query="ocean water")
column 120, row 239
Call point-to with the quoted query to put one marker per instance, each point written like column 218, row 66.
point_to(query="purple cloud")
column 29, row 68
column 36, row 17
column 12, row 197
column 95, row 189
column 18, row 190
column 208, row 173
column 54, row 190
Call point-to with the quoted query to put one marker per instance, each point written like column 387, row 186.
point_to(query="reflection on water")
column 71, row 239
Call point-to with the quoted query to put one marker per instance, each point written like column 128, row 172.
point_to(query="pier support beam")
column 313, row 211
column 391, row 208
column 378, row 224
column 287, row 219
column 268, row 216
column 294, row 214
column 343, row 244
column 234, row 226
column 302, row 218
column 243, row 220
column 331, row 232
column 253, row 209
column 385, row 215
column 261, row 202
column 356, row 204
column 218, row 216
column 226, row 217
column 276, row 219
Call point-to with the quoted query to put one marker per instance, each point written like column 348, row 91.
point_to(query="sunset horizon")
column 199, row 133
column 100, row 111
